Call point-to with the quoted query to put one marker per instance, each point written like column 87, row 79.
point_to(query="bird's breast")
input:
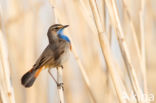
column 65, row 56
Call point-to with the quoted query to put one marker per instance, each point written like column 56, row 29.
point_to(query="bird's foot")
column 62, row 66
column 59, row 85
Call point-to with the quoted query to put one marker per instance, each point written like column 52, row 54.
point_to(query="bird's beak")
column 65, row 26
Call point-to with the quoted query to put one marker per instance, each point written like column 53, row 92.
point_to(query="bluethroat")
column 53, row 56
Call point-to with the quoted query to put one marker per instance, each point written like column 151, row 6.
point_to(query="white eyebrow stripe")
column 57, row 27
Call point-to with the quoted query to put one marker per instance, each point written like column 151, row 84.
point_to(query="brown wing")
column 52, row 53
column 46, row 56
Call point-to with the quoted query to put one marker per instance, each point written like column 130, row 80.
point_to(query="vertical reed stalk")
column 6, row 89
column 60, row 80
column 142, row 29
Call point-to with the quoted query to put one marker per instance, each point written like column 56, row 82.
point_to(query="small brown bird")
column 53, row 56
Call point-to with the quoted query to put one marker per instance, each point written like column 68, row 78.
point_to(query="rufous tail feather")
column 29, row 78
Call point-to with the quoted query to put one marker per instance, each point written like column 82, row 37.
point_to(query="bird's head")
column 56, row 31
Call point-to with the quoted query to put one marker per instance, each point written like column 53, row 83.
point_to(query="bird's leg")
column 62, row 66
column 52, row 76
column 59, row 85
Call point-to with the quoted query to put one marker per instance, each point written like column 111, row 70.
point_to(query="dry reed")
column 111, row 56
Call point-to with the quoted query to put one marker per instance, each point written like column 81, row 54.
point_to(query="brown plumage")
column 53, row 56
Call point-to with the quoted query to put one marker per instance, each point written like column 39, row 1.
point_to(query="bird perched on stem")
column 53, row 56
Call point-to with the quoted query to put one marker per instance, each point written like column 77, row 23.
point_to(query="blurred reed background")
column 113, row 53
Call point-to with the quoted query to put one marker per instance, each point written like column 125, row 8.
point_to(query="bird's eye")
column 56, row 28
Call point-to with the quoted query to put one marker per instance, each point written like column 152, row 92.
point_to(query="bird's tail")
column 29, row 78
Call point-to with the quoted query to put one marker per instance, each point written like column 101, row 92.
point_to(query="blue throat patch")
column 62, row 36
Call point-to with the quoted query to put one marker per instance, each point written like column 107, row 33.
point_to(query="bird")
column 53, row 56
